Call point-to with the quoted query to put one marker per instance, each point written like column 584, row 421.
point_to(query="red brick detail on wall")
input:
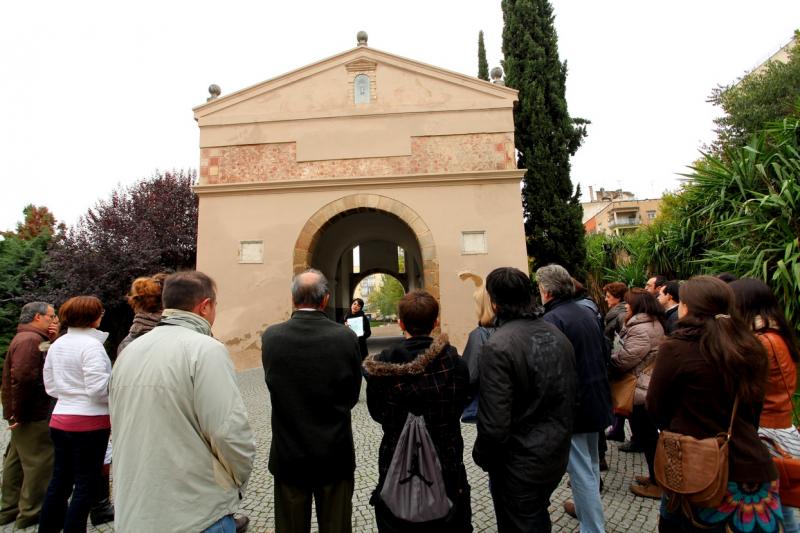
column 429, row 155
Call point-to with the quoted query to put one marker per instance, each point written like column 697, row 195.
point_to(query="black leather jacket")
column 527, row 403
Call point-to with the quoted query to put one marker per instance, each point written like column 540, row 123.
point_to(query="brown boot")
column 650, row 490
column 569, row 508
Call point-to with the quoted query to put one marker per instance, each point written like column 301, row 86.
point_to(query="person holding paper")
column 359, row 323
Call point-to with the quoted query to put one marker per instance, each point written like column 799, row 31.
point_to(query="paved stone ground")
column 624, row 512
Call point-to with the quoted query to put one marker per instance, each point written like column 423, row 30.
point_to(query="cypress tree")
column 545, row 136
column 483, row 65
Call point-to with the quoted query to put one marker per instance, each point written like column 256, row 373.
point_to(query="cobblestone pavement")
column 624, row 512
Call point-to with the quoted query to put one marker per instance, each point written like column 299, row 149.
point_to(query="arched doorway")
column 380, row 227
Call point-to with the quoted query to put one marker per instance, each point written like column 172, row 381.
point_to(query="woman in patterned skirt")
column 711, row 360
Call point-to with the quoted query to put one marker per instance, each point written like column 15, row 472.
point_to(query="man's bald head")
column 309, row 289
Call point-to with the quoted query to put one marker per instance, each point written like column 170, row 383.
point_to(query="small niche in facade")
column 362, row 89
column 251, row 251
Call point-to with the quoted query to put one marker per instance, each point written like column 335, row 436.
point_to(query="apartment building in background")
column 617, row 212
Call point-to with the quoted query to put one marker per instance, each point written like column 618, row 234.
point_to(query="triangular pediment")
column 327, row 88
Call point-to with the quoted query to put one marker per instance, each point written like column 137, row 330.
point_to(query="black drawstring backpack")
column 414, row 486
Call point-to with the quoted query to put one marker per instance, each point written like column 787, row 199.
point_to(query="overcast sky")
column 96, row 94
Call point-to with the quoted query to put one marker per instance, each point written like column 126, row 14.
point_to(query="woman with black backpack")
column 421, row 376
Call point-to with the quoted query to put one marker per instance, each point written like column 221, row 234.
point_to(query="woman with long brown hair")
column 636, row 352
column 759, row 309
column 711, row 360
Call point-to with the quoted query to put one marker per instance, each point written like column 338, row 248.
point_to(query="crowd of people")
column 706, row 359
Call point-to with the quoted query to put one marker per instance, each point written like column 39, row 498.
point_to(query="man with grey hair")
column 593, row 415
column 28, row 462
column 312, row 367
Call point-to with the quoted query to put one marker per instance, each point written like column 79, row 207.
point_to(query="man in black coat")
column 583, row 330
column 528, row 390
column 312, row 367
column 669, row 299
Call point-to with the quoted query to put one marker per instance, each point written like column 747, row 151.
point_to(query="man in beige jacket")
column 183, row 448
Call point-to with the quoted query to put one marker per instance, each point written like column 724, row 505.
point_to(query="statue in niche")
column 362, row 89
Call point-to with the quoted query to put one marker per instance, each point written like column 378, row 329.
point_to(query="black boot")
column 102, row 512
column 617, row 431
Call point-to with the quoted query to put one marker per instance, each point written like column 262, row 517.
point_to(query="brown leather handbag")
column 623, row 389
column 694, row 470
column 789, row 472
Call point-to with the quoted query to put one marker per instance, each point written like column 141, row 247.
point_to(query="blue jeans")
column 223, row 525
column 584, row 473
column 77, row 471
column 790, row 520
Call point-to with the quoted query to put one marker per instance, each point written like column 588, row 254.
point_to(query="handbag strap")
column 645, row 369
column 733, row 416
column 783, row 378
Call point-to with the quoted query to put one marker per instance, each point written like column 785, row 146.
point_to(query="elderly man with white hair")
column 312, row 367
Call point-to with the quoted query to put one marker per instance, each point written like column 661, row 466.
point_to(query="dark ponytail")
column 725, row 339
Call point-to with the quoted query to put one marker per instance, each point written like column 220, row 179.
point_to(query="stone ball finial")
column 214, row 91
column 497, row 76
column 362, row 37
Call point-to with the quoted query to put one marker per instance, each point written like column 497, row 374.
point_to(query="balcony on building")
column 622, row 219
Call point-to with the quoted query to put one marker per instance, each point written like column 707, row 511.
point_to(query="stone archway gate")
column 284, row 159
